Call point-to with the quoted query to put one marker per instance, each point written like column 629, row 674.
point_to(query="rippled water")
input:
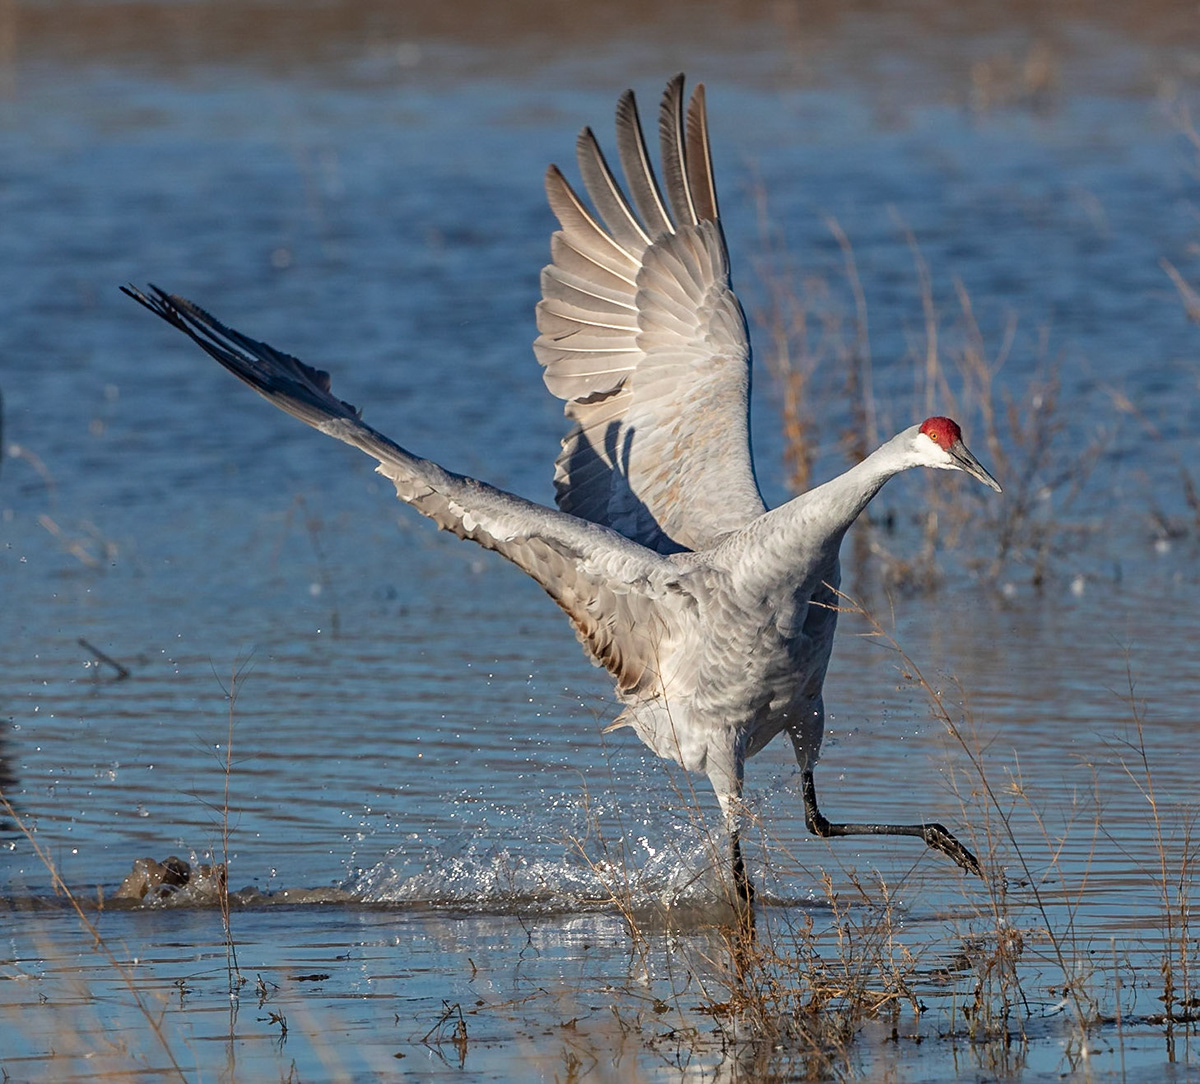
column 415, row 734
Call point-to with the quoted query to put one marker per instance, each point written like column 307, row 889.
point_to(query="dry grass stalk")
column 153, row 1020
column 1174, row 876
column 997, row 806
column 234, row 974
column 1029, row 526
column 791, row 356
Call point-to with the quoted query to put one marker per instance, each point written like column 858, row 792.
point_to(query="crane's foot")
column 942, row 839
column 936, row 836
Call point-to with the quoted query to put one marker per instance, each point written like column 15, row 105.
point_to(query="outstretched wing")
column 619, row 596
column 642, row 335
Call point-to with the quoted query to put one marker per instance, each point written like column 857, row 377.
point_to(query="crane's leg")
column 743, row 890
column 935, row 835
column 741, row 882
column 727, row 782
column 806, row 733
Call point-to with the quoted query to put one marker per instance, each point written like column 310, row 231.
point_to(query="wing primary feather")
column 582, row 229
column 639, row 174
column 559, row 283
column 606, row 194
column 571, row 262
column 701, row 182
column 571, row 317
column 674, row 154
column 289, row 383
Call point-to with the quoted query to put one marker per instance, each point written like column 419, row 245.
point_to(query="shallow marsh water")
column 423, row 809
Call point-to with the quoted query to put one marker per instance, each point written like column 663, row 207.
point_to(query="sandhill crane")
column 715, row 616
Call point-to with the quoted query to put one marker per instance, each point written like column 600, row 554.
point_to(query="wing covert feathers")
column 642, row 336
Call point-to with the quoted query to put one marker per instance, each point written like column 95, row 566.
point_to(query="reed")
column 141, row 998
column 1045, row 466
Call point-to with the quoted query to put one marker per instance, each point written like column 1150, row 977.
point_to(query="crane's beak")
column 961, row 455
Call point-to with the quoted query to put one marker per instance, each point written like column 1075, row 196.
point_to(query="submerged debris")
column 151, row 880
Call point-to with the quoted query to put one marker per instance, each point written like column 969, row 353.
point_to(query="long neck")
column 801, row 538
column 830, row 509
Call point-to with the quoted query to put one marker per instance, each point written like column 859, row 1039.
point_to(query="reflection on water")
column 413, row 727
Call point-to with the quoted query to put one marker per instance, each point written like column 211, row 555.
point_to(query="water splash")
column 580, row 854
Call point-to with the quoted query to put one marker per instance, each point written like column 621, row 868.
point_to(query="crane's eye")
column 933, row 437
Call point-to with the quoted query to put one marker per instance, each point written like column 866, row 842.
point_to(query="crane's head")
column 939, row 443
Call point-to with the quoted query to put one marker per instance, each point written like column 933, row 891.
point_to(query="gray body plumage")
column 715, row 616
